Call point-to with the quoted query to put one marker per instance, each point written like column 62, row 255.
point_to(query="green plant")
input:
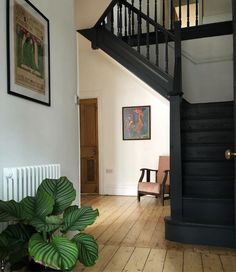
column 41, row 226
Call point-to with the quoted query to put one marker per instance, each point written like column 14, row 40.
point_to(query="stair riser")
column 205, row 152
column 219, row 212
column 208, row 188
column 209, row 124
column 208, row 168
column 208, row 110
column 207, row 137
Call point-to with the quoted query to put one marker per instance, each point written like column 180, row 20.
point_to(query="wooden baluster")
column 163, row 13
column 155, row 14
column 132, row 29
column 112, row 21
column 166, row 55
column 197, row 12
column 140, row 9
column 157, row 46
column 188, row 14
column 148, row 30
column 139, row 32
column 118, row 20
column 172, row 19
column 121, row 20
column 129, row 26
column 180, row 10
column 126, row 21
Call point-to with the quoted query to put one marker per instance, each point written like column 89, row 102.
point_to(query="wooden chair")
column 161, row 186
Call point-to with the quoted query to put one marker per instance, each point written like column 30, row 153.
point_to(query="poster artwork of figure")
column 29, row 50
column 136, row 123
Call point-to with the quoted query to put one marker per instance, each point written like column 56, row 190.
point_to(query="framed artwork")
column 28, row 52
column 136, row 123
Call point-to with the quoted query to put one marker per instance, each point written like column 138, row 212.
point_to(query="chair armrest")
column 147, row 170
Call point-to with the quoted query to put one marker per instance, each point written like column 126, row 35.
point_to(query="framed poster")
column 28, row 52
column 136, row 123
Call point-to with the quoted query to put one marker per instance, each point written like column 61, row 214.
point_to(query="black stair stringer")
column 130, row 59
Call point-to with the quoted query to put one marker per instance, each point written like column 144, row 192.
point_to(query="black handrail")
column 106, row 12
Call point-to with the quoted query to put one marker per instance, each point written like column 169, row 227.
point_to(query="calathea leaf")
column 13, row 240
column 48, row 224
column 37, row 207
column 4, row 250
column 10, row 211
column 59, row 253
column 88, row 248
column 61, row 190
column 79, row 219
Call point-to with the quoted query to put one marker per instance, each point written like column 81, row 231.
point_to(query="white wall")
column 208, row 69
column 115, row 87
column 31, row 133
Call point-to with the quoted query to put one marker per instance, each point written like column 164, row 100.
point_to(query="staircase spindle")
column 112, row 21
column 171, row 14
column 132, row 28
column 118, row 19
column 163, row 13
column 140, row 10
column 180, row 10
column 148, row 31
column 126, row 21
column 157, row 46
column 139, row 32
column 196, row 12
column 188, row 14
column 167, row 54
column 155, row 12
column 129, row 26
column 121, row 20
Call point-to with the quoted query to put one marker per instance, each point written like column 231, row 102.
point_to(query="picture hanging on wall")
column 136, row 123
column 28, row 52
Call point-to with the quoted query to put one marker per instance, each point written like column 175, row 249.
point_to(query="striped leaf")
column 39, row 206
column 4, row 250
column 59, row 253
column 88, row 248
column 61, row 190
column 48, row 224
column 13, row 241
column 10, row 211
column 79, row 219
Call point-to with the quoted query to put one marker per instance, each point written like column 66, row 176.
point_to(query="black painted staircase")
column 207, row 131
column 208, row 178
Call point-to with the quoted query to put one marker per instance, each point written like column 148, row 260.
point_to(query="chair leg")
column 138, row 197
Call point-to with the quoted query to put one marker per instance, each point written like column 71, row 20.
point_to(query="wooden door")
column 89, row 146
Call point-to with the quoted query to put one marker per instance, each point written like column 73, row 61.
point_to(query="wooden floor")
column 131, row 238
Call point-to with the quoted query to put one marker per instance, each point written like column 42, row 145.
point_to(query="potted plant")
column 41, row 226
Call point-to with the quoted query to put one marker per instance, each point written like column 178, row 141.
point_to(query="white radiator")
column 20, row 182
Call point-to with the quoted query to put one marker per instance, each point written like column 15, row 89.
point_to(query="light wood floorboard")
column 130, row 235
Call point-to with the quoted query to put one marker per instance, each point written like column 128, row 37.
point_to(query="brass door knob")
column 229, row 154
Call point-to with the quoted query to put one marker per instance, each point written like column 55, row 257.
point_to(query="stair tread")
column 211, row 199
column 209, row 178
column 207, row 197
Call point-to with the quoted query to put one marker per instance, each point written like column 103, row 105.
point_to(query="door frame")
column 96, row 95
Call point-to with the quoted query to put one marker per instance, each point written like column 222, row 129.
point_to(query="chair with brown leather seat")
column 160, row 187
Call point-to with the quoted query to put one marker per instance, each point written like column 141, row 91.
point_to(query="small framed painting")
column 136, row 123
column 28, row 52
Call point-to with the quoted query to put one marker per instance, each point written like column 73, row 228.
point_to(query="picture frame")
column 136, row 122
column 28, row 52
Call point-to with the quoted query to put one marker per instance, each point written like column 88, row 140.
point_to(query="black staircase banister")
column 178, row 60
column 106, row 12
column 149, row 20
